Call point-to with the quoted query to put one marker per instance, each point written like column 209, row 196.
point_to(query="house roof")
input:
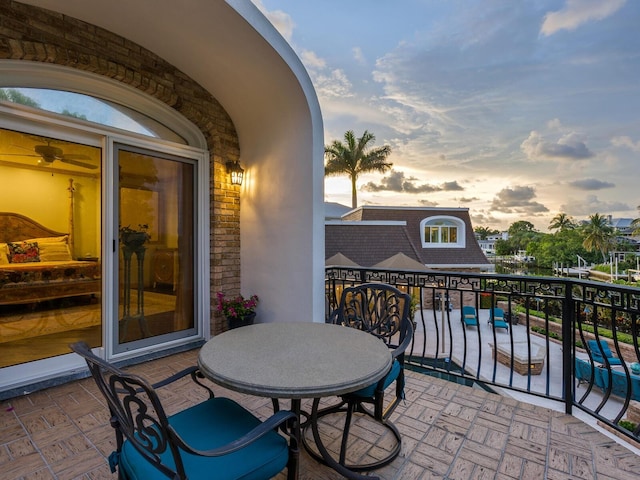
column 386, row 231
column 340, row 260
column 367, row 243
column 334, row 211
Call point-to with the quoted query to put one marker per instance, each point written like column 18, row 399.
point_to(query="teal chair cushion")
column 208, row 425
column 368, row 392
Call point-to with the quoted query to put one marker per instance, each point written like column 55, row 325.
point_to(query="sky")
column 517, row 110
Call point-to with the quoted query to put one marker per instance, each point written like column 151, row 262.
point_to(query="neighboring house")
column 200, row 84
column 439, row 238
column 334, row 211
column 621, row 226
column 488, row 245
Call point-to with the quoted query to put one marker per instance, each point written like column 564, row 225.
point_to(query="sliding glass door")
column 155, row 252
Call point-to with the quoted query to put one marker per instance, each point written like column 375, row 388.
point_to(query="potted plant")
column 134, row 238
column 238, row 310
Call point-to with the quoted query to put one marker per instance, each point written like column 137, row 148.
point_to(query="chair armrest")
column 275, row 421
column 400, row 349
column 194, row 372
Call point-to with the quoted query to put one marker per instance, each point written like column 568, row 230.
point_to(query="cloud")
column 625, row 141
column 567, row 147
column 358, row 56
column 451, row 186
column 312, row 60
column 467, row 199
column 591, row 184
column 332, row 84
column 578, row 12
column 281, row 20
column 591, row 204
column 397, row 182
column 517, row 200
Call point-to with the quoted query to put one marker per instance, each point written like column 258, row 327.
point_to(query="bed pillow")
column 54, row 252
column 24, row 252
column 61, row 238
column 4, row 258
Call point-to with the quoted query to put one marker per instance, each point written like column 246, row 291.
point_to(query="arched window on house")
column 442, row 232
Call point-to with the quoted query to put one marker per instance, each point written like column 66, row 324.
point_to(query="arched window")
column 442, row 232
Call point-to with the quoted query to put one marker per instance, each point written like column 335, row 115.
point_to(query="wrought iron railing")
column 542, row 348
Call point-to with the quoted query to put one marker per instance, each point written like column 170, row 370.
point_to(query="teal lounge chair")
column 496, row 317
column 469, row 316
column 598, row 352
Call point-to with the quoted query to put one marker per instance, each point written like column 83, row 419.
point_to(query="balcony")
column 468, row 413
column 449, row 431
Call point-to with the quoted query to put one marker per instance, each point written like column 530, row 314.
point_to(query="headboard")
column 15, row 227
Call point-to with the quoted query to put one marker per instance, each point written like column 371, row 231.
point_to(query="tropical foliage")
column 354, row 157
column 598, row 235
column 562, row 221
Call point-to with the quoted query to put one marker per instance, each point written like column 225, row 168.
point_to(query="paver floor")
column 450, row 431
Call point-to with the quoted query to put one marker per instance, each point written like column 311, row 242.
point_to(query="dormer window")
column 442, row 232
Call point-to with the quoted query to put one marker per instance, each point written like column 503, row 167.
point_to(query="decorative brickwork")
column 34, row 34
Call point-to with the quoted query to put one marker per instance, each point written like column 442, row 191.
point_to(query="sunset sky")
column 516, row 110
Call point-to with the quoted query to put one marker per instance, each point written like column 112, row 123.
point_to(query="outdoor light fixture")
column 236, row 172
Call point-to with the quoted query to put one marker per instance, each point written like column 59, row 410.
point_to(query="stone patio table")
column 296, row 361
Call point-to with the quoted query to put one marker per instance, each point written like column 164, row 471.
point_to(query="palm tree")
column 561, row 222
column 353, row 157
column 598, row 235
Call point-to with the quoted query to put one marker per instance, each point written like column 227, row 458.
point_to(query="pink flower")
column 236, row 307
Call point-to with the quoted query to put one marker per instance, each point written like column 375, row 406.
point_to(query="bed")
column 36, row 263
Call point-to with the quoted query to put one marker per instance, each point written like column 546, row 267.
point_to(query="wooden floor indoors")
column 449, row 431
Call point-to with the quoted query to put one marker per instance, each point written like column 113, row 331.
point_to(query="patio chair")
column 217, row 438
column 600, row 350
column 469, row 316
column 496, row 317
column 383, row 311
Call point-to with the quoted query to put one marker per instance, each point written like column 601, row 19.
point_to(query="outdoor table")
column 295, row 361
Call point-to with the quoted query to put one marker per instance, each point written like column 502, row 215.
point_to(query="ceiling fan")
column 49, row 154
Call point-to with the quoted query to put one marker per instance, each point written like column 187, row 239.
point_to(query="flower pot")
column 134, row 240
column 235, row 322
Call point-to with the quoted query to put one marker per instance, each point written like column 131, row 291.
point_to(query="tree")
column 561, row 222
column 484, row 232
column 354, row 157
column 521, row 233
column 13, row 95
column 598, row 235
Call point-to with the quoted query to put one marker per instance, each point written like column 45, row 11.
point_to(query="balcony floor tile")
column 449, row 431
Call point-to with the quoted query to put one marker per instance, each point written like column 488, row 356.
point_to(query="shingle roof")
column 368, row 244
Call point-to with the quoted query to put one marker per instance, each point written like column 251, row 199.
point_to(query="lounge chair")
column 496, row 317
column 469, row 316
column 601, row 350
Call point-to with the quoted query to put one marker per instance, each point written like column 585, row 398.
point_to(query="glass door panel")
column 50, row 245
column 155, row 218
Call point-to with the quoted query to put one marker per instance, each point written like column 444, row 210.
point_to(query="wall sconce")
column 236, row 172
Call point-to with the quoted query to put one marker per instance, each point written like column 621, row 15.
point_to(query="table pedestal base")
column 340, row 465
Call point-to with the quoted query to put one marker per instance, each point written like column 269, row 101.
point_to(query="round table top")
column 295, row 360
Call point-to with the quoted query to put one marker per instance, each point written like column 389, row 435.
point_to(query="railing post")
column 568, row 350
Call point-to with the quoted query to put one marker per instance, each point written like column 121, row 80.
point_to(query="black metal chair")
column 383, row 311
column 215, row 439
